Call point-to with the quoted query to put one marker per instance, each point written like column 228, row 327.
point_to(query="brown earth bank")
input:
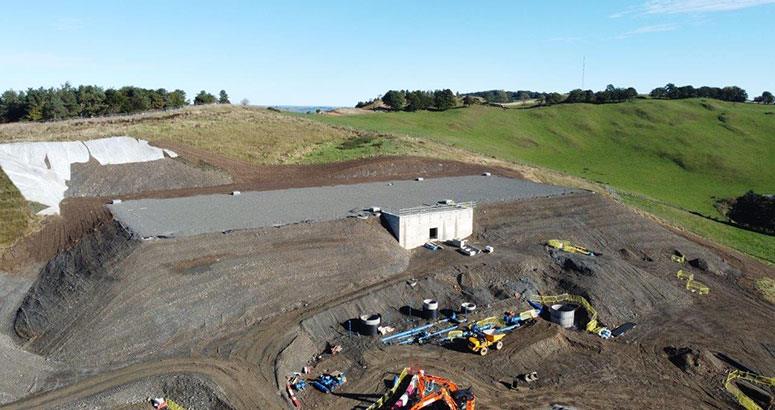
column 193, row 169
column 246, row 309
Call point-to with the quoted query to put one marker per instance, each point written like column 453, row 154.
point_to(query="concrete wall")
column 413, row 230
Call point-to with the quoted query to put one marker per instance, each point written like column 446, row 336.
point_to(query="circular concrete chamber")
column 370, row 323
column 563, row 315
column 430, row 309
column 467, row 307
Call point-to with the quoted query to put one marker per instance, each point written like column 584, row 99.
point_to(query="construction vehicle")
column 480, row 341
column 568, row 247
column 422, row 391
column 329, row 382
column 592, row 325
column 745, row 401
column 162, row 403
column 691, row 284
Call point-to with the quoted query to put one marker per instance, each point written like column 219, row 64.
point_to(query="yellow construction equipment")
column 481, row 341
column 678, row 259
column 744, row 400
column 161, row 403
column 683, row 275
column 692, row 284
column 568, row 247
column 592, row 325
column 698, row 287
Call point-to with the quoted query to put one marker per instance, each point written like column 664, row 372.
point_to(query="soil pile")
column 94, row 180
column 66, row 281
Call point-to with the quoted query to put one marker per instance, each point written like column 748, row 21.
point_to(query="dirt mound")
column 579, row 264
column 193, row 392
column 94, row 180
column 168, row 294
column 77, row 218
column 264, row 177
column 694, row 361
column 66, row 281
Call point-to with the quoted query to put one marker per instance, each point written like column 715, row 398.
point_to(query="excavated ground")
column 193, row 173
column 224, row 318
column 91, row 179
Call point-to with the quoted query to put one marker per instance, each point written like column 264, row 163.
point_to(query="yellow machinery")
column 692, row 284
column 160, row 403
column 744, row 400
column 481, row 341
column 568, row 247
column 592, row 325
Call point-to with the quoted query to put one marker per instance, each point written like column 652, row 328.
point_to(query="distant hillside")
column 683, row 154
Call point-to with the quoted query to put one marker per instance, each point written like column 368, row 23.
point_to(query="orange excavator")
column 415, row 390
column 433, row 389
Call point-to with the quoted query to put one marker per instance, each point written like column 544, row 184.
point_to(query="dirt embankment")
column 189, row 390
column 94, row 180
column 51, row 305
column 249, row 177
column 78, row 217
column 171, row 294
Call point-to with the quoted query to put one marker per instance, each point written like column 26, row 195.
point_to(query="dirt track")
column 248, row 353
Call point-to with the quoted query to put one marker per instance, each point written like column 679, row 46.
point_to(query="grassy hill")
column 670, row 158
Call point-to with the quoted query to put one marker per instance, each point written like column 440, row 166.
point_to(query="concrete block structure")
column 413, row 227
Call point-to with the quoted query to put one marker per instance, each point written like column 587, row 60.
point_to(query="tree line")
column 43, row 104
column 438, row 100
column 503, row 96
column 672, row 92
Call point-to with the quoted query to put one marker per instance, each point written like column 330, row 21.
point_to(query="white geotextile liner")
column 122, row 150
column 25, row 164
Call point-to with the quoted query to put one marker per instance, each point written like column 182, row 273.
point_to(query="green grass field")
column 665, row 157
column 682, row 154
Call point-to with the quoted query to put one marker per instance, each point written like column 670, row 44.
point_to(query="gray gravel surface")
column 177, row 217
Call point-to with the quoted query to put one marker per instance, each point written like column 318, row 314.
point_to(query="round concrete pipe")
column 430, row 309
column 467, row 307
column 563, row 315
column 370, row 323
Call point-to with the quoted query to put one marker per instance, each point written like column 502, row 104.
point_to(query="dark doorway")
column 434, row 233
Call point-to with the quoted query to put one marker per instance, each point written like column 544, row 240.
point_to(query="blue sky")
column 340, row 52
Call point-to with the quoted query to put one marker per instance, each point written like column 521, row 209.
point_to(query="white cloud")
column 659, row 28
column 690, row 6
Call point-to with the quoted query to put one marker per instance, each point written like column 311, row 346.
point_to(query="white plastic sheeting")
column 40, row 170
column 122, row 150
